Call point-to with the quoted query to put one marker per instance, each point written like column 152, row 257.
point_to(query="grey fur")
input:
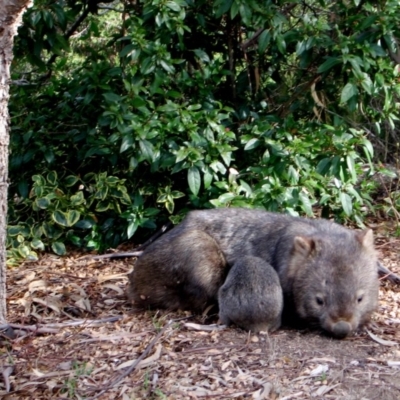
column 328, row 273
column 251, row 296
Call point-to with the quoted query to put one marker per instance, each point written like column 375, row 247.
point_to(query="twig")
column 138, row 252
column 115, row 255
column 134, row 365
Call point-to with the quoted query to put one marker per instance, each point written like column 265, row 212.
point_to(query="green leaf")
column 176, row 194
column 182, row 154
column 60, row 218
column 305, row 203
column 202, row 55
column 223, row 6
column 329, row 63
column 323, row 166
column 168, row 67
column 281, row 44
column 169, row 205
column 147, row 150
column 174, row 6
column 207, row 178
column 127, row 50
column 24, row 251
column 245, row 12
column 70, row 180
column 37, row 244
column 72, row 217
column 23, row 189
column 234, row 8
column 348, row 92
column 345, row 199
column 126, row 143
column 112, row 97
column 84, row 224
column 103, row 206
column 245, row 187
column 367, row 84
column 226, row 197
column 102, row 193
column 263, row 41
column 52, row 177
column 169, row 107
column 227, row 157
column 49, row 155
column 352, row 168
column 132, row 227
column 368, row 148
column 194, row 180
column 42, row 203
column 14, row 230
column 252, row 144
column 293, row 175
column 59, row 248
column 36, row 17
column 77, row 199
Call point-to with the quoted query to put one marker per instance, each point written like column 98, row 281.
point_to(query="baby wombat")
column 251, row 296
column 328, row 273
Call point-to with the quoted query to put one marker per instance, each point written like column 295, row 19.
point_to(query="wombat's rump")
column 181, row 271
column 328, row 273
column 251, row 296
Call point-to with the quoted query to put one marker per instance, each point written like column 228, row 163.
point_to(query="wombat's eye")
column 319, row 300
column 359, row 299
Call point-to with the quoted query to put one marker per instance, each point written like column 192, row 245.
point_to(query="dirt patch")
column 84, row 337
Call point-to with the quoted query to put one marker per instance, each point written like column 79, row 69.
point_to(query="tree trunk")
column 10, row 18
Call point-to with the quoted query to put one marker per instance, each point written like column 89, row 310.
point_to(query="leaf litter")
column 74, row 336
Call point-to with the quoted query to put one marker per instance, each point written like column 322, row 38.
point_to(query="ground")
column 75, row 337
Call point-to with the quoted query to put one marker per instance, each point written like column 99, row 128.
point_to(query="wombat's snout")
column 341, row 329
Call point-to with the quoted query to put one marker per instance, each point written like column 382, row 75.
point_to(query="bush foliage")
column 129, row 113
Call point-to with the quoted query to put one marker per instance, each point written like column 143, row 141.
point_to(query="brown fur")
column 183, row 271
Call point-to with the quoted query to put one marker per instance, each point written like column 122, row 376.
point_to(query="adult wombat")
column 251, row 296
column 328, row 273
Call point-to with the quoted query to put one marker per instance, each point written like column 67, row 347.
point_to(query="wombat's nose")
column 341, row 329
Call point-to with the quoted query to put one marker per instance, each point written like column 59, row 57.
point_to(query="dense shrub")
column 123, row 118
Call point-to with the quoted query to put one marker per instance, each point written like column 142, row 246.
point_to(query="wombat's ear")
column 366, row 238
column 303, row 246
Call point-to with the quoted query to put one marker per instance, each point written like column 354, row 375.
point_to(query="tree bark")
column 10, row 19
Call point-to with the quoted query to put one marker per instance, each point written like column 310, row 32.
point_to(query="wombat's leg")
column 182, row 270
column 251, row 296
